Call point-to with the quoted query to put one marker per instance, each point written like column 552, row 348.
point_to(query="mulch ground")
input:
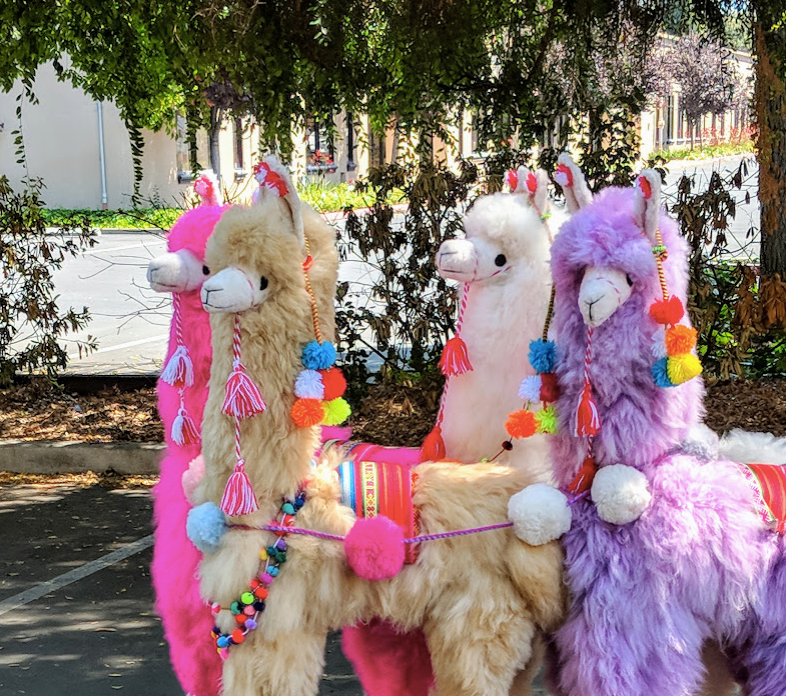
column 400, row 414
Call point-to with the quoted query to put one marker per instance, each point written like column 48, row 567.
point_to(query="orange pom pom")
column 680, row 339
column 307, row 412
column 521, row 424
column 433, row 447
column 334, row 382
column 667, row 312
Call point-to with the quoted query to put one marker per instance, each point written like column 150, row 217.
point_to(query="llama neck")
column 639, row 420
column 499, row 322
column 277, row 452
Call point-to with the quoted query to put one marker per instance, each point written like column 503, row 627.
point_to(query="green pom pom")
column 336, row 411
column 546, row 419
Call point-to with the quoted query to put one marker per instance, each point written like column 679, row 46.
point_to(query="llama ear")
column 207, row 188
column 538, row 189
column 573, row 183
column 274, row 180
column 648, row 202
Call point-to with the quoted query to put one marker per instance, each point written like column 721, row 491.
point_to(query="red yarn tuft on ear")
column 645, row 186
column 667, row 311
column 512, row 180
column 433, row 447
column 532, row 183
column 563, row 176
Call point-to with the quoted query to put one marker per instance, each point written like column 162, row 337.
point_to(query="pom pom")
column 659, row 344
column 319, row 356
column 433, row 447
column 336, row 411
column 542, row 355
column 455, row 359
column 667, row 312
column 521, row 424
column 242, row 397
column 546, row 420
column 530, row 388
column 184, row 432
column 239, row 498
column 549, row 390
column 680, row 339
column 620, row 493
column 309, row 385
column 660, row 373
column 375, row 548
column 540, row 514
column 307, row 412
column 192, row 476
column 681, row 368
column 205, row 526
column 335, row 383
column 179, row 371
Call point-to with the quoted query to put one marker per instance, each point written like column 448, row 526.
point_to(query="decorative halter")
column 179, row 371
column 318, row 388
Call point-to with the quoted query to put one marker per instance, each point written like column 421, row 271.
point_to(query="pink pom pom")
column 375, row 548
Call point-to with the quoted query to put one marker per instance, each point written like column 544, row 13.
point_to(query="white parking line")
column 120, row 346
column 74, row 575
column 93, row 252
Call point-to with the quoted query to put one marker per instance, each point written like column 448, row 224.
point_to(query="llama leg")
column 718, row 680
column 479, row 656
column 522, row 683
column 289, row 665
column 619, row 654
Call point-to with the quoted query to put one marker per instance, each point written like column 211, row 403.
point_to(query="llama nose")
column 151, row 272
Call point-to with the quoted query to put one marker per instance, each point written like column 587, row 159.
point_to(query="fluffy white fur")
column 620, row 493
column 505, row 311
column 602, row 292
column 540, row 514
column 753, row 448
column 177, row 271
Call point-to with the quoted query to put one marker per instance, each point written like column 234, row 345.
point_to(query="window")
column 669, row 135
column 319, row 148
column 184, row 147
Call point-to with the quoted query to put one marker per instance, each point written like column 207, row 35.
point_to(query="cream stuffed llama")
column 182, row 392
column 666, row 550
column 480, row 599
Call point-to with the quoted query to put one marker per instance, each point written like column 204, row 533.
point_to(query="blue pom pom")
column 660, row 373
column 319, row 356
column 542, row 355
column 205, row 526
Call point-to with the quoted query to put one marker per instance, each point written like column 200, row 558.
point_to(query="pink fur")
column 186, row 620
column 375, row 548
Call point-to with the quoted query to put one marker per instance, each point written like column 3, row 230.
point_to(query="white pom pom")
column 530, row 388
column 540, row 514
column 308, row 385
column 659, row 344
column 620, row 493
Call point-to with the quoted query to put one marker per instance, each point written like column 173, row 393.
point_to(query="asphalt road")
column 131, row 322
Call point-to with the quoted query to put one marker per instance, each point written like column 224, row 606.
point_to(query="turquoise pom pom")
column 319, row 356
column 660, row 373
column 542, row 355
column 205, row 526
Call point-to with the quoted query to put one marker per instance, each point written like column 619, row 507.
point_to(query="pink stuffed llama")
column 182, row 392
column 503, row 259
column 667, row 551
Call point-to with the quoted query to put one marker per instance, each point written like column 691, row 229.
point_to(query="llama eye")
column 501, row 260
column 629, row 279
column 262, row 283
column 205, row 270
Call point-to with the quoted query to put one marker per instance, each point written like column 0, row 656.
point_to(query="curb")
column 70, row 457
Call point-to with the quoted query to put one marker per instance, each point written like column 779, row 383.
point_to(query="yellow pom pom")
column 680, row 339
column 681, row 368
column 336, row 411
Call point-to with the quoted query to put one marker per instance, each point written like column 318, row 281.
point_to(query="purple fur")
column 698, row 564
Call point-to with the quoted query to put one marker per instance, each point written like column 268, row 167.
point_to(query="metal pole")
column 101, row 154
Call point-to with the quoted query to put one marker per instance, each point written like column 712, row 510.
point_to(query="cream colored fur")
column 480, row 599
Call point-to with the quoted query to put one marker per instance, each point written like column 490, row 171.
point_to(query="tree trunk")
column 215, row 128
column 770, row 101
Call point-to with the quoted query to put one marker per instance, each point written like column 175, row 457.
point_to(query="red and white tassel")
column 239, row 498
column 184, row 432
column 179, row 371
column 243, row 398
column 587, row 416
column 583, row 480
column 433, row 447
column 455, row 359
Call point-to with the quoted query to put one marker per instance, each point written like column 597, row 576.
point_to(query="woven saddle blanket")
column 768, row 482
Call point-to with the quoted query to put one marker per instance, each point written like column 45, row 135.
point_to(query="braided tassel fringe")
column 184, row 432
column 179, row 371
column 239, row 498
column 455, row 358
column 243, row 398
column 587, row 416
column 433, row 447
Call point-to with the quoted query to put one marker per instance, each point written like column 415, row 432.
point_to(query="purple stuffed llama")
column 665, row 550
column 182, row 392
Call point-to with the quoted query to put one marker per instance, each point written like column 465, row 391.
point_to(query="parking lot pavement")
column 76, row 604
